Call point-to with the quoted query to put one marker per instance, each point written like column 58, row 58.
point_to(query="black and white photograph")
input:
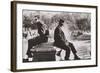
column 56, row 36
column 53, row 36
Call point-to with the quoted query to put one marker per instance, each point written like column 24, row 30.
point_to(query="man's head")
column 36, row 18
column 61, row 22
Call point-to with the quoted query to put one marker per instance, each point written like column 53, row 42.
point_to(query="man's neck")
column 59, row 26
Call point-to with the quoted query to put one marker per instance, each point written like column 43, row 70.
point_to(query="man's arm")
column 59, row 36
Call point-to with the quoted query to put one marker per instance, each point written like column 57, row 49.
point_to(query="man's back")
column 59, row 36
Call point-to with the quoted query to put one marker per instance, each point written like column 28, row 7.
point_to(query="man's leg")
column 73, row 51
column 67, row 49
column 31, row 43
column 67, row 55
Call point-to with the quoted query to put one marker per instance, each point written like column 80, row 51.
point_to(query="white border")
column 21, row 65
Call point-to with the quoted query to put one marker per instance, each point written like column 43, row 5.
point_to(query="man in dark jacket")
column 42, row 29
column 61, row 42
column 43, row 35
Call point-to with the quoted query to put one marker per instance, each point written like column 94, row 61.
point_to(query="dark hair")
column 37, row 16
column 61, row 21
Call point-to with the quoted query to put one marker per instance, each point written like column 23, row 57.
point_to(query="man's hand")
column 67, row 43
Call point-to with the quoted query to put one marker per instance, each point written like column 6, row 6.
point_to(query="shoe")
column 67, row 59
column 30, row 59
column 76, row 58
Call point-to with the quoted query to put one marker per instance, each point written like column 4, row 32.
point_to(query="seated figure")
column 61, row 42
column 41, row 38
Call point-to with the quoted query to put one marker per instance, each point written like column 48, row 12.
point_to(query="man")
column 61, row 42
column 42, row 29
column 43, row 35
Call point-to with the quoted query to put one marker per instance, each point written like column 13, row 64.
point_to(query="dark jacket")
column 59, row 37
column 43, row 32
column 40, row 27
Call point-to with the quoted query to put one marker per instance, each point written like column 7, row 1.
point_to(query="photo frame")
column 27, row 36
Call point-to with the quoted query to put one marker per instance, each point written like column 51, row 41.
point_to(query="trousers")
column 35, row 41
column 68, row 48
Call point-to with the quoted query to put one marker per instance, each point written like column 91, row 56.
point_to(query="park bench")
column 44, row 52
